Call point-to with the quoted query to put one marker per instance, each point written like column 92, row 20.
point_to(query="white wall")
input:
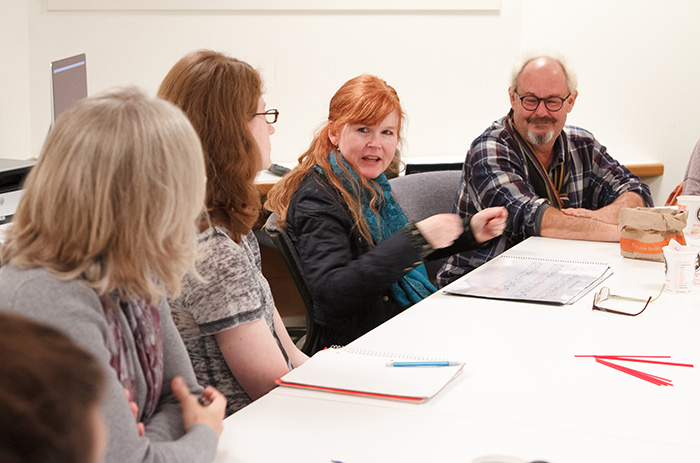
column 636, row 63
column 638, row 68
column 15, row 135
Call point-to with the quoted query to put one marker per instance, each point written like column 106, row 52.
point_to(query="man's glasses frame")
column 270, row 115
column 552, row 103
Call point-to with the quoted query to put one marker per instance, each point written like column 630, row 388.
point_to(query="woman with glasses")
column 103, row 233
column 235, row 337
column 361, row 258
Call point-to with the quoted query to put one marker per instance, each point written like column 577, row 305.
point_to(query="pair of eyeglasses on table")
column 605, row 295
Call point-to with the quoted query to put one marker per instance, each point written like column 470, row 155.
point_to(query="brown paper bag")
column 645, row 230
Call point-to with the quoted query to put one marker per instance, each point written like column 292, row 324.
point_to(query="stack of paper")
column 531, row 279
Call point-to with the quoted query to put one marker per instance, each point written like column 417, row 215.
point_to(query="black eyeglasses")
column 604, row 295
column 552, row 103
column 271, row 115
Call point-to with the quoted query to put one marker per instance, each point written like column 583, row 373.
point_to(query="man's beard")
column 540, row 139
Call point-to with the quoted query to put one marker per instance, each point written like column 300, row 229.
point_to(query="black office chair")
column 284, row 244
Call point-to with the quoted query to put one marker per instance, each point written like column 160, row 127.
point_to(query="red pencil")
column 639, row 358
column 639, row 374
column 628, row 356
column 626, row 359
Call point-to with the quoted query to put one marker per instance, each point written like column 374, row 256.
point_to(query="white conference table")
column 522, row 392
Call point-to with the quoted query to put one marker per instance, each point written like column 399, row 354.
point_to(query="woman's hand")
column 488, row 223
column 193, row 412
column 441, row 230
column 133, row 406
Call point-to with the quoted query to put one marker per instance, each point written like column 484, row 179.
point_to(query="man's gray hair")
column 571, row 81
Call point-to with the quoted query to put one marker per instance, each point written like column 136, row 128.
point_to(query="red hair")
column 366, row 99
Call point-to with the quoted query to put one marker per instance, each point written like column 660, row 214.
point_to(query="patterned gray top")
column 234, row 292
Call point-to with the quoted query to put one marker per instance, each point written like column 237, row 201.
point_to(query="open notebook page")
column 346, row 371
column 531, row 279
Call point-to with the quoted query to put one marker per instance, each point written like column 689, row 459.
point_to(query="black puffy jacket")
column 349, row 279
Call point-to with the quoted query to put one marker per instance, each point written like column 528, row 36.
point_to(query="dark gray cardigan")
column 74, row 308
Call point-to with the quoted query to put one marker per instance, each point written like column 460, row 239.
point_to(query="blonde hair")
column 365, row 99
column 114, row 197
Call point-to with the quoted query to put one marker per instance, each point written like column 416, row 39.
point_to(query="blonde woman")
column 103, row 233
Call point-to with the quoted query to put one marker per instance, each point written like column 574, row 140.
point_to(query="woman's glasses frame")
column 270, row 115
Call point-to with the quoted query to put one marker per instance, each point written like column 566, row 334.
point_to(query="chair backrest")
column 426, row 193
column 284, row 244
column 413, row 168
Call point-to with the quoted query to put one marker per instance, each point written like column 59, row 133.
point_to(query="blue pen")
column 440, row 363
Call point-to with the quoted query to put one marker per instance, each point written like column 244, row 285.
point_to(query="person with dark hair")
column 235, row 336
column 50, row 393
column 103, row 233
column 362, row 259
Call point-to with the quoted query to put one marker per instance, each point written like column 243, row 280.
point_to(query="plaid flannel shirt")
column 495, row 174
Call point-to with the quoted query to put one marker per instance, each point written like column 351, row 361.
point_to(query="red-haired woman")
column 361, row 258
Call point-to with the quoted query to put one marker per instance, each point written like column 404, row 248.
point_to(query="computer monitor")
column 68, row 83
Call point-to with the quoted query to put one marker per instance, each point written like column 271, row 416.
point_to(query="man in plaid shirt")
column 556, row 181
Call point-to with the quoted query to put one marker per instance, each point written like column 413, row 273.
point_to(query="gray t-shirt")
column 234, row 291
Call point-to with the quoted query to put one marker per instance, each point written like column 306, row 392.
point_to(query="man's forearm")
column 628, row 199
column 556, row 224
column 611, row 212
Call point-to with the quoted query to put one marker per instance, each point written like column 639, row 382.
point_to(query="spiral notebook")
column 366, row 373
column 531, row 279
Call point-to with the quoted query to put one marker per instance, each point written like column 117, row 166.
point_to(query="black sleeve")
column 342, row 274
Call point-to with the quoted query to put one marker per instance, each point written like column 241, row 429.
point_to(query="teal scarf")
column 415, row 285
